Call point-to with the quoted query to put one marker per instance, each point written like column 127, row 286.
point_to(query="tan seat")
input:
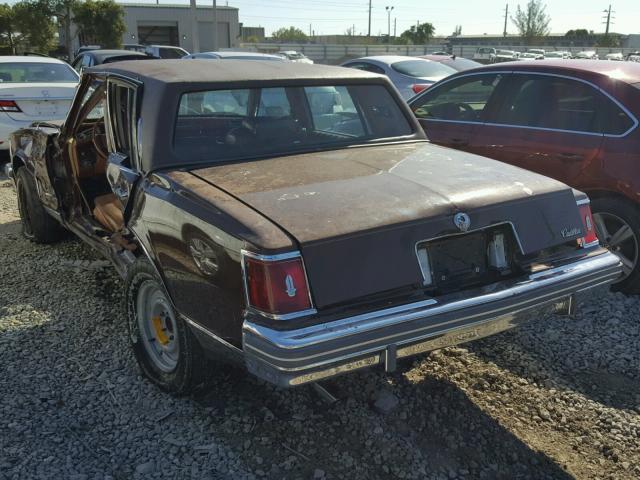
column 108, row 211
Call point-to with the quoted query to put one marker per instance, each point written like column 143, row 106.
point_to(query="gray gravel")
column 560, row 400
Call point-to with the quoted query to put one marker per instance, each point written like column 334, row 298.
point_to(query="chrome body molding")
column 308, row 354
column 7, row 169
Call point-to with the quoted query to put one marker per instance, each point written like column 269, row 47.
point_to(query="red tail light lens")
column 419, row 87
column 276, row 287
column 9, row 106
column 590, row 237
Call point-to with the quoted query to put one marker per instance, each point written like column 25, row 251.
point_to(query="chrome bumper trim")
column 320, row 351
column 8, row 170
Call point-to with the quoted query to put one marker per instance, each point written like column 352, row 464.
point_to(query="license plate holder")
column 458, row 261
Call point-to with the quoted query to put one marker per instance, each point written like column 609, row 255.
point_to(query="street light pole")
column 195, row 38
column 215, row 26
column 388, row 9
column 369, row 31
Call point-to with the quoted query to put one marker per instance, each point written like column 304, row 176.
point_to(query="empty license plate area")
column 472, row 259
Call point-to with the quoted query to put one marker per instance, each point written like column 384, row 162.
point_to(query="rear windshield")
column 422, row 68
column 221, row 125
column 36, row 73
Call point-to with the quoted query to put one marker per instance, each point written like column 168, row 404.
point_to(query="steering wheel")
column 467, row 110
column 99, row 139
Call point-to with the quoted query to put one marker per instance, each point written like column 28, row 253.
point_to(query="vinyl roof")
column 229, row 71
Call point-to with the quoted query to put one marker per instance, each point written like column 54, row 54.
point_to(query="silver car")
column 229, row 55
column 410, row 75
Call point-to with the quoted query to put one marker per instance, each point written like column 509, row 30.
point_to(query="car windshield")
column 228, row 124
column 422, row 68
column 461, row 64
column 36, row 72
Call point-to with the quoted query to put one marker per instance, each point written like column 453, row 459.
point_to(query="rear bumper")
column 295, row 357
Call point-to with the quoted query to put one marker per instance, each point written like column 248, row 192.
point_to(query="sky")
column 476, row 16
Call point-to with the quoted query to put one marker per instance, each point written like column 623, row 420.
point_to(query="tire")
column 613, row 216
column 37, row 225
column 165, row 348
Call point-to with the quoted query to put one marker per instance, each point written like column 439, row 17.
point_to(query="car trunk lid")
column 359, row 213
column 38, row 101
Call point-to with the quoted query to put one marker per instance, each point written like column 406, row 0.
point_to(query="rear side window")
column 554, row 103
column 367, row 67
column 464, row 99
column 422, row 68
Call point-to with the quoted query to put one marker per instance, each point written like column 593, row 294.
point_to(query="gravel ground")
column 560, row 400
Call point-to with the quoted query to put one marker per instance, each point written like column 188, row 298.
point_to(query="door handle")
column 570, row 157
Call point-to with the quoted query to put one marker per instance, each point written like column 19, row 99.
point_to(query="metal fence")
column 336, row 54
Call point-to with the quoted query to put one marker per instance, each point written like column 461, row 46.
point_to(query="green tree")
column 609, row 40
column 579, row 33
column 100, row 22
column 291, row 34
column 8, row 35
column 418, row 35
column 532, row 22
column 34, row 21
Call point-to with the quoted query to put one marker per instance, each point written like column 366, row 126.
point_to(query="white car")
column 485, row 55
column 295, row 56
column 33, row 89
column 616, row 57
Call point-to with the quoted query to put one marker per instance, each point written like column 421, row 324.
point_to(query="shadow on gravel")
column 434, row 431
column 558, row 358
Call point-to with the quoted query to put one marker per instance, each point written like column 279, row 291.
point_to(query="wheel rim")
column 204, row 256
column 23, row 209
column 617, row 235
column 158, row 327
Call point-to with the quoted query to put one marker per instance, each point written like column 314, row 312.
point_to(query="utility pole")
column 607, row 19
column 215, row 26
column 195, row 38
column 395, row 26
column 388, row 9
column 506, row 15
column 369, row 32
column 310, row 30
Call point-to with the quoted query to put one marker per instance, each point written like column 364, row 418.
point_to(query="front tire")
column 37, row 225
column 618, row 226
column 166, row 350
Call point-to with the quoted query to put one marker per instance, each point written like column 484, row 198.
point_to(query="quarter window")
column 464, row 99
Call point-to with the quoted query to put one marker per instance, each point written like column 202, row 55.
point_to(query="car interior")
column 88, row 153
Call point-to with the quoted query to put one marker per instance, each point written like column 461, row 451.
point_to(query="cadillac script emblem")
column 462, row 221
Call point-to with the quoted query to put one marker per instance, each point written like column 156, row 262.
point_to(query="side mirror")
column 121, row 177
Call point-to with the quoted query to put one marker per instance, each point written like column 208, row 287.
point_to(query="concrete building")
column 174, row 25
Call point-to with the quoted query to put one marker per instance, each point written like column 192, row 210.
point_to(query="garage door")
column 158, row 34
column 205, row 35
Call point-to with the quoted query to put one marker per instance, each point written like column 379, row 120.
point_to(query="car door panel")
column 547, row 124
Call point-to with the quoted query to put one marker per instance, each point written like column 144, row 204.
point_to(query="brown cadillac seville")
column 295, row 218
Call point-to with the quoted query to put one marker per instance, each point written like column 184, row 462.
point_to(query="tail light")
column 590, row 237
column 419, row 87
column 9, row 106
column 277, row 285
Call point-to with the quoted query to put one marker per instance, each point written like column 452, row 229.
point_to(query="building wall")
column 180, row 17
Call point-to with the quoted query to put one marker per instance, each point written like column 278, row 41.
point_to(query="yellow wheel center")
column 161, row 336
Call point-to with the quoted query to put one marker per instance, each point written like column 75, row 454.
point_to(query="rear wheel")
column 618, row 227
column 166, row 350
column 37, row 225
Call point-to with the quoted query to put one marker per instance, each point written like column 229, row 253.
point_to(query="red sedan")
column 576, row 121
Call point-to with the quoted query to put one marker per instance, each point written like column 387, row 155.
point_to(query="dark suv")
column 575, row 121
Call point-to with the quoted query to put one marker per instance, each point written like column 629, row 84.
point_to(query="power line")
column 607, row 19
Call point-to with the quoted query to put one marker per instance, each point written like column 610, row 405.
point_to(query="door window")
column 617, row 121
column 464, row 99
column 554, row 103
column 121, row 100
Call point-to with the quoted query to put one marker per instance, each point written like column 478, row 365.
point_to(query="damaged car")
column 295, row 218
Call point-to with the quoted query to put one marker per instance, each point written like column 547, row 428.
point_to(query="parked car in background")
column 136, row 47
column 576, row 121
column 506, row 56
column 459, row 64
column 616, row 57
column 531, row 56
column 537, row 51
column 295, row 56
column 165, row 51
column 484, row 55
column 441, row 53
column 558, row 54
column 33, row 89
column 410, row 75
column 632, row 56
column 228, row 55
column 91, row 58
column 86, row 48
column 265, row 243
column 586, row 55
